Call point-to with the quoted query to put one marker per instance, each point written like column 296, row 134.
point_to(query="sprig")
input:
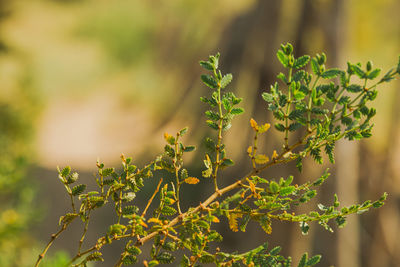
column 322, row 105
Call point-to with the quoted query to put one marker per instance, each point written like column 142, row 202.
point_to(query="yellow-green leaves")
column 259, row 128
column 207, row 162
column 261, row 159
column 191, row 180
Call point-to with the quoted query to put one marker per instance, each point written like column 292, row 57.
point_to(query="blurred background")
column 88, row 79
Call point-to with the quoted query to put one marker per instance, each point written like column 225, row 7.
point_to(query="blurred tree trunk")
column 250, row 45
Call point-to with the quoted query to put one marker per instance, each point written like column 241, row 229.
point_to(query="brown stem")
column 152, row 197
column 53, row 237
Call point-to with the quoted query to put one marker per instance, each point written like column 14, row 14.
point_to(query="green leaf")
column 67, row 218
column 168, row 211
column 301, row 61
column 72, row 178
column 165, row 257
column 294, row 126
column 299, row 95
column 267, row 97
column 129, row 260
column 212, row 115
column 153, row 263
column 227, row 162
column 207, row 65
column 313, row 260
column 331, row 73
column 373, row 74
column 226, row 80
column 304, row 228
column 354, row 88
column 76, row 190
column 212, row 124
column 315, row 66
column 116, row 229
column 237, row 111
column 189, row 148
column 283, row 58
column 95, row 256
column 358, row 71
column 65, row 171
column 303, row 260
column 209, row 81
column 275, row 250
column 280, row 127
column 298, row 76
column 341, row 221
column 127, row 210
column 128, row 197
column 183, row 131
column 106, row 172
column 274, row 187
column 284, row 191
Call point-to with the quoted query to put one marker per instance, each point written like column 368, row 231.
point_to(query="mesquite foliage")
column 313, row 108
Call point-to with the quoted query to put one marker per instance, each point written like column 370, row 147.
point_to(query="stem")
column 310, row 105
column 84, row 232
column 253, row 158
column 178, row 184
column 72, row 202
column 152, row 197
column 119, row 203
column 219, row 138
column 286, row 146
column 53, row 237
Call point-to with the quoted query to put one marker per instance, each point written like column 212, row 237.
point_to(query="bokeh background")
column 88, row 79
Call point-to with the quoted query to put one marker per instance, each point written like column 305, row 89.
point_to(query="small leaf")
column 65, row 171
column 280, row 127
column 253, row 124
column 331, row 73
column 191, row 180
column 359, row 72
column 189, row 148
column 212, row 124
column 76, row 190
column 212, row 115
column 206, row 173
column 354, row 88
column 226, row 80
column 95, row 256
column 232, row 218
column 274, row 155
column 168, row 211
column 286, row 190
column 315, row 66
column 268, row 97
column 313, row 260
column 283, row 58
column 373, row 74
column 237, row 111
column 261, row 159
column 263, row 128
column 303, row 260
column 227, row 162
column 207, row 65
column 301, row 61
column 274, row 187
column 275, row 250
column 169, row 138
column 304, row 228
column 209, row 81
